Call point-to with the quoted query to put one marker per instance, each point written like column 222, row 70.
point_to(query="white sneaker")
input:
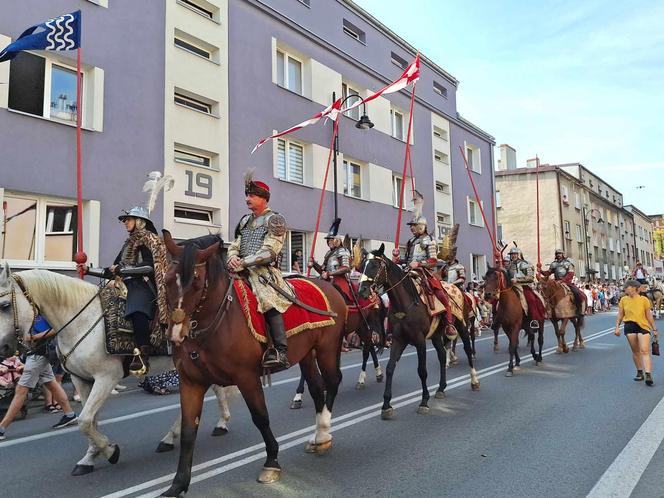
column 76, row 397
column 114, row 391
column 120, row 387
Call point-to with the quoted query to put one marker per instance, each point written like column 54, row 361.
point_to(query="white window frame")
column 287, row 145
column 396, row 193
column 440, row 133
column 577, row 201
column 287, row 251
column 347, row 163
column 180, row 39
column 444, row 187
column 476, row 154
column 199, row 209
column 441, row 157
column 48, row 75
column 393, row 112
column 181, row 150
column 477, row 273
column 286, row 84
column 479, row 222
column 41, row 232
column 567, row 230
column 499, row 202
column 579, row 234
column 345, row 89
column 195, row 103
column 198, row 9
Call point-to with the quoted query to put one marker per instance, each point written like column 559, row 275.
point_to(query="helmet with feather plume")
column 333, row 232
column 418, row 204
column 155, row 183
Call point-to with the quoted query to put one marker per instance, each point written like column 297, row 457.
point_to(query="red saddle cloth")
column 296, row 319
column 341, row 283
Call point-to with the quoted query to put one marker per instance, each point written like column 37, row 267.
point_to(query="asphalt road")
column 574, row 424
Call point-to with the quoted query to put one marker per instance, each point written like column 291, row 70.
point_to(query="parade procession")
column 215, row 212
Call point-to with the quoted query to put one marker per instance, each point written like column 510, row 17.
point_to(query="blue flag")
column 61, row 33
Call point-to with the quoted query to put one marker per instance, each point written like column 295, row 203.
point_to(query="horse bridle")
column 179, row 315
column 381, row 270
column 18, row 281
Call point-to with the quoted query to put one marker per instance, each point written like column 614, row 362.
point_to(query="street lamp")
column 586, row 213
column 363, row 124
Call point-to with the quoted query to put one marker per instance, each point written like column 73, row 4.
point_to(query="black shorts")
column 633, row 328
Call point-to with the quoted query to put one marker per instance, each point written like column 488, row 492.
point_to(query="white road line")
column 622, row 476
column 355, row 417
column 145, row 413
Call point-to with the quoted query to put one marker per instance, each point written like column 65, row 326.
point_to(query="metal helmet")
column 560, row 251
column 515, row 250
column 141, row 213
column 418, row 220
column 333, row 233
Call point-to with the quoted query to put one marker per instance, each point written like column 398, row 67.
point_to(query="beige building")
column 643, row 238
column 579, row 213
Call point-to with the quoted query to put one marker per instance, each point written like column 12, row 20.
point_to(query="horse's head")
column 495, row 280
column 374, row 272
column 16, row 313
column 194, row 264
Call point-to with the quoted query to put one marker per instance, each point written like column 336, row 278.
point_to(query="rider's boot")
column 450, row 330
column 140, row 364
column 276, row 357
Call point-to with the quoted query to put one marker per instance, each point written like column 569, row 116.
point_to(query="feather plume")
column 357, row 254
column 418, row 204
column 155, row 183
column 249, row 176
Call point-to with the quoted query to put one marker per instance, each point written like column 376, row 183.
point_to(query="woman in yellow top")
column 634, row 310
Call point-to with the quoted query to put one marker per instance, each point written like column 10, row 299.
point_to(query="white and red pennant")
column 410, row 75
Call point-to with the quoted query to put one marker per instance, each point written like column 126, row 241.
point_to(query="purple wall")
column 39, row 156
column 257, row 106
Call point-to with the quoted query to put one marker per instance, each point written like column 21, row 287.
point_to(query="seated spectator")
column 163, row 383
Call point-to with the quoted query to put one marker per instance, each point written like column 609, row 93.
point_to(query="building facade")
column 643, row 238
column 214, row 76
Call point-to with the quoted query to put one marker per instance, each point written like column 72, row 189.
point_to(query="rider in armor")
column 523, row 276
column 336, row 263
column 259, row 238
column 421, row 258
column 456, row 274
column 563, row 270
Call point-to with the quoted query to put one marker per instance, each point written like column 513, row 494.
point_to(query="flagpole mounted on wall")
column 80, row 258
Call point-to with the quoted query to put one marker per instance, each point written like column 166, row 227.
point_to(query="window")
column 38, row 230
column 353, row 31
column 182, row 156
column 289, row 72
column 439, row 89
column 290, row 161
column 345, row 92
column 443, row 188
column 565, row 194
column 192, row 103
column 477, row 266
column 579, row 236
column 305, row 2
column 34, row 79
column 499, row 234
column 440, row 133
column 295, row 241
column 198, row 8
column 396, row 119
column 577, row 200
column 398, row 61
column 396, row 193
column 498, row 202
column 190, row 47
column 193, row 215
column 474, row 214
column 473, row 158
column 441, row 157
column 566, row 230
column 353, row 179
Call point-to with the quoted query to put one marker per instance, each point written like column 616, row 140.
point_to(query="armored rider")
column 522, row 274
column 259, row 238
column 336, row 263
column 563, row 270
column 421, row 257
column 456, row 274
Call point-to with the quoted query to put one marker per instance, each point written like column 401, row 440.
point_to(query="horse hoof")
column 164, row 447
column 318, row 447
column 509, row 373
column 379, row 378
column 582, row 345
column 269, row 475
column 81, row 470
column 496, row 348
column 219, row 431
column 439, row 395
column 537, row 363
column 113, row 459
column 423, row 410
column 359, row 386
column 296, row 404
column 387, row 414
column 517, row 368
column 475, row 387
column 559, row 350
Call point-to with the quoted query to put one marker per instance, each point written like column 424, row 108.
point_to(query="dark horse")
column 411, row 324
column 215, row 346
column 563, row 309
column 510, row 315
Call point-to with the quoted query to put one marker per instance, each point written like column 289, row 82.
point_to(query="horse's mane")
column 45, row 284
column 188, row 259
column 393, row 267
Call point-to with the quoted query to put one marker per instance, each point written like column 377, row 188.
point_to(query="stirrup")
column 534, row 324
column 451, row 332
column 279, row 362
column 141, row 371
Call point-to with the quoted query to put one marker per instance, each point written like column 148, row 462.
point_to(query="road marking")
column 622, row 476
column 338, row 423
column 161, row 409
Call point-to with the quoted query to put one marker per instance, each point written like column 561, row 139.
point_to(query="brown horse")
column 215, row 346
column 563, row 309
column 510, row 315
column 411, row 324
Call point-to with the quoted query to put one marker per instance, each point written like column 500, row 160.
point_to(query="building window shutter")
column 296, row 163
column 281, row 159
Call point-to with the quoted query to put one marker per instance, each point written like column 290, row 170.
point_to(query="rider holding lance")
column 336, row 263
column 563, row 271
column 455, row 274
column 523, row 276
column 259, row 238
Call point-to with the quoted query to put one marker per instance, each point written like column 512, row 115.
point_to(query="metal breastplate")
column 331, row 262
column 454, row 272
column 252, row 236
column 419, row 249
column 519, row 269
column 559, row 269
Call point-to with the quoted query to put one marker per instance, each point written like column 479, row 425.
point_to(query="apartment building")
column 643, row 238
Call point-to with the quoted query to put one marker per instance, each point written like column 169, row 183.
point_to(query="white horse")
column 80, row 346
column 656, row 295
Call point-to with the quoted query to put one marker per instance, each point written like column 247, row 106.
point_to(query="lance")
column 539, row 257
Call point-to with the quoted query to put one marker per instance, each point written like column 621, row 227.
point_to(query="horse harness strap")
column 65, row 357
column 219, row 316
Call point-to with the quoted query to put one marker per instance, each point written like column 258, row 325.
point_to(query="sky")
column 569, row 81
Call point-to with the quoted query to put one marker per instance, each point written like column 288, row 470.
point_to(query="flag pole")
column 406, row 161
column 539, row 258
column 80, row 258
